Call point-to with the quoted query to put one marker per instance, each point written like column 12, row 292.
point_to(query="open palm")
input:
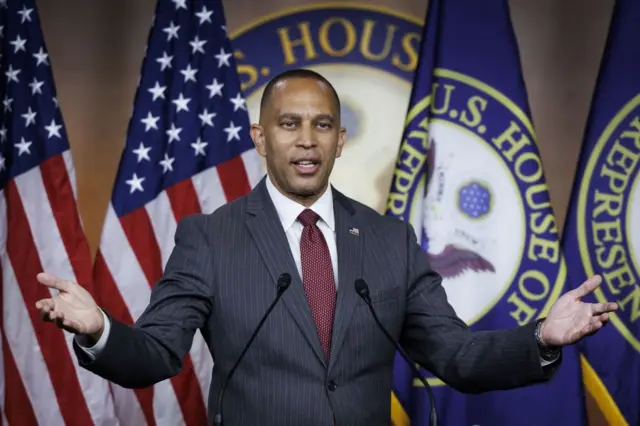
column 570, row 319
column 73, row 308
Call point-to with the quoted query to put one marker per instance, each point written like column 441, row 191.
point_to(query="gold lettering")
column 617, row 181
column 476, row 105
column 350, row 37
column 605, row 203
column 548, row 223
column 548, row 249
column 620, row 277
column 305, row 41
column 508, row 137
column 529, row 294
column 622, row 157
column 608, row 261
column 524, row 313
column 528, row 174
column 539, row 189
column 611, row 231
column 448, row 88
column 634, row 298
column 365, row 42
column 635, row 135
column 410, row 43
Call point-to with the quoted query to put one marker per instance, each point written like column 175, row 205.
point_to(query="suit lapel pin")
column 354, row 231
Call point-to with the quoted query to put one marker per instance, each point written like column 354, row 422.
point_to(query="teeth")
column 305, row 163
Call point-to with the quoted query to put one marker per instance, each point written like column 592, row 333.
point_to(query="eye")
column 288, row 124
column 324, row 126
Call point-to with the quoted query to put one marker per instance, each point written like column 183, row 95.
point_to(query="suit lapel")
column 349, row 237
column 265, row 228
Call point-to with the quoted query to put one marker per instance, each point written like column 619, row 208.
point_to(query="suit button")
column 332, row 386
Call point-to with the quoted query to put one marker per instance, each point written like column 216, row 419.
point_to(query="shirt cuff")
column 94, row 351
column 545, row 362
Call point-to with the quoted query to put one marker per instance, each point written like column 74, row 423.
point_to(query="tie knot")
column 308, row 217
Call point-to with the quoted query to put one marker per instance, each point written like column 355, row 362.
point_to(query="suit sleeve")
column 469, row 361
column 153, row 349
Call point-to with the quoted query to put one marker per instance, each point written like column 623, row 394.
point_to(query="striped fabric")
column 40, row 230
column 187, row 151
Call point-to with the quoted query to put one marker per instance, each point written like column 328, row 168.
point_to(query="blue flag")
column 470, row 180
column 602, row 231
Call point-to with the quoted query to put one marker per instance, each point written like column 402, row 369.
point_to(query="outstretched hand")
column 73, row 309
column 570, row 319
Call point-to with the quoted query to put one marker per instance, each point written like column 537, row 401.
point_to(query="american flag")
column 40, row 230
column 187, row 151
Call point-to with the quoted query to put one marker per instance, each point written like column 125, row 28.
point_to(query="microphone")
column 283, row 284
column 363, row 291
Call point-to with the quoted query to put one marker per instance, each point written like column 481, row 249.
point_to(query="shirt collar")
column 288, row 210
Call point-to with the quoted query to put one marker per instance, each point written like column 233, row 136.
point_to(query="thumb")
column 52, row 281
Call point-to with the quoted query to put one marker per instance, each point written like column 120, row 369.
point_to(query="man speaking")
column 320, row 357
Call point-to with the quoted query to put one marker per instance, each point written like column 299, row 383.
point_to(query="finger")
column 600, row 308
column 587, row 287
column 52, row 281
column 603, row 318
column 45, row 305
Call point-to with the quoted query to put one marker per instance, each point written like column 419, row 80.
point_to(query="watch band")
column 546, row 352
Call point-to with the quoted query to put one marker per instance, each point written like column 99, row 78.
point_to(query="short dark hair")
column 296, row 73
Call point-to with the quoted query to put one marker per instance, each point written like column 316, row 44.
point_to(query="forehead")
column 302, row 95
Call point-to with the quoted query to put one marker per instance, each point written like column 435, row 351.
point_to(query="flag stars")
column 2, row 163
column 150, row 122
column 18, row 44
column 157, row 91
column 197, row 45
column 36, row 86
column 172, row 31
column 53, row 129
column 189, row 73
column 12, row 75
column 25, row 14
column 135, row 184
column 41, row 57
column 165, row 61
column 142, row 152
column 3, row 134
column 223, row 58
column 215, row 88
column 174, row 133
column 167, row 163
column 23, row 147
column 199, row 146
column 238, row 102
column 180, row 4
column 29, row 117
column 232, row 132
column 206, row 117
column 7, row 103
column 204, row 15
column 181, row 103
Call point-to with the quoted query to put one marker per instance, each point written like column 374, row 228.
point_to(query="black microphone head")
column 362, row 288
column 284, row 280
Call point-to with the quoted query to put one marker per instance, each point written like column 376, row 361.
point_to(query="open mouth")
column 307, row 167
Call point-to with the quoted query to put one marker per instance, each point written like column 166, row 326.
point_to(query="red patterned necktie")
column 317, row 277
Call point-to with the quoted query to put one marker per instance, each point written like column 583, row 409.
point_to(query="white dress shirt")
column 288, row 211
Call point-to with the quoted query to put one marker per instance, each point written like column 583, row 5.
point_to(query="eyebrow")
column 319, row 117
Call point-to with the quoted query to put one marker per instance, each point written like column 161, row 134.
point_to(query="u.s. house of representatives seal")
column 486, row 220
column 608, row 222
column 368, row 53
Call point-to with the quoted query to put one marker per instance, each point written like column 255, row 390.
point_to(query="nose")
column 306, row 137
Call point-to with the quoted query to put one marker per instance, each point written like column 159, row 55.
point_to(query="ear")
column 257, row 135
column 342, row 137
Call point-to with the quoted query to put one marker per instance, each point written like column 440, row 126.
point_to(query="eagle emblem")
column 451, row 259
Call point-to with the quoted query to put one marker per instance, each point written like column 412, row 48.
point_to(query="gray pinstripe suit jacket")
column 221, row 277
